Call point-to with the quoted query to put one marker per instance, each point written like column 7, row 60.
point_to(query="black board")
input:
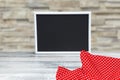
column 62, row 31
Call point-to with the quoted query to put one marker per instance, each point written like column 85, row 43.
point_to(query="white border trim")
column 35, row 29
column 35, row 25
column 89, row 31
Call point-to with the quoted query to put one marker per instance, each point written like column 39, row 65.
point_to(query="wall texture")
column 17, row 25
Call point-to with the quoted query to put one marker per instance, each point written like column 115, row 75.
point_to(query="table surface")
column 30, row 66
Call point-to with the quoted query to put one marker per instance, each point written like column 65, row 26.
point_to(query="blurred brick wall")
column 17, row 25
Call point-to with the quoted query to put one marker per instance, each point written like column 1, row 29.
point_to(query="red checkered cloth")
column 94, row 67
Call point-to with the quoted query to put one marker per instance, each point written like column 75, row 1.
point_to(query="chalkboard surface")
column 62, row 31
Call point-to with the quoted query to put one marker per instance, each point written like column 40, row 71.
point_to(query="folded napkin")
column 94, row 67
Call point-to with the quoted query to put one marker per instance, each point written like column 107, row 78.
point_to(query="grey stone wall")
column 17, row 25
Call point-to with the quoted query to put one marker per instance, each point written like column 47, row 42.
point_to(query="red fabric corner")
column 94, row 67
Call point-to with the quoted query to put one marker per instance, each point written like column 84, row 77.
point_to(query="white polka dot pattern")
column 65, row 74
column 94, row 67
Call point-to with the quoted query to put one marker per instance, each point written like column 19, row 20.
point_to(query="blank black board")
column 62, row 31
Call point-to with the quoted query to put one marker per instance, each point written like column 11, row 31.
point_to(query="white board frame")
column 35, row 26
